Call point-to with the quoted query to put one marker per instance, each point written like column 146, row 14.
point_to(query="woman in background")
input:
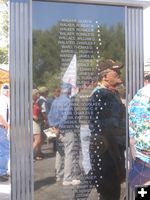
column 36, row 125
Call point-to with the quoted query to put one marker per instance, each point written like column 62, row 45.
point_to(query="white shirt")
column 5, row 107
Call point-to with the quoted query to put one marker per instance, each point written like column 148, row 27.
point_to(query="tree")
column 3, row 32
column 46, row 53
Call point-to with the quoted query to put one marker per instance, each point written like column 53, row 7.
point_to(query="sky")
column 49, row 16
column 146, row 34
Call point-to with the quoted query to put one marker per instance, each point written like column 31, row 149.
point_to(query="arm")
column 132, row 148
column 3, row 123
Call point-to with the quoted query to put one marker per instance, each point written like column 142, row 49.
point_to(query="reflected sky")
column 47, row 14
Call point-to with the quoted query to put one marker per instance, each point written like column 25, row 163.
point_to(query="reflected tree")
column 46, row 52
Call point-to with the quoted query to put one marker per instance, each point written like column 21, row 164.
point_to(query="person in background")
column 5, row 102
column 56, row 93
column 139, row 134
column 4, row 150
column 5, row 111
column 36, row 125
column 146, row 79
column 4, row 132
column 60, row 118
column 42, row 102
column 107, row 125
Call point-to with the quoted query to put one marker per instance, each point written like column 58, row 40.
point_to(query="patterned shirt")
column 139, row 123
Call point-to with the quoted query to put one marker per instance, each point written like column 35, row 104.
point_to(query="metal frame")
column 132, row 3
column 21, row 81
column 21, row 86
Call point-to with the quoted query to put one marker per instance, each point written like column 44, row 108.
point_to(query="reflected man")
column 61, row 119
column 107, row 124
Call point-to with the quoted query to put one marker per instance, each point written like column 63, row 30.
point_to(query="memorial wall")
column 75, row 47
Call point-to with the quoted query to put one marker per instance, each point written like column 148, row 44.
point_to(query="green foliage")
column 3, row 55
column 46, row 53
column 113, row 43
column 4, row 33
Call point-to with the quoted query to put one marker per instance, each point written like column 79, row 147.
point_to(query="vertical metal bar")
column 12, row 96
column 141, row 52
column 133, row 47
column 30, row 100
column 137, row 39
column 129, row 47
column 22, row 78
column 26, row 98
column 17, row 99
column 21, row 100
column 134, row 58
column 127, row 91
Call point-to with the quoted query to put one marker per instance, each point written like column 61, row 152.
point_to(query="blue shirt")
column 59, row 111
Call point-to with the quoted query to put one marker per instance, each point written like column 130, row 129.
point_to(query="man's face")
column 57, row 93
column 112, row 78
column 6, row 93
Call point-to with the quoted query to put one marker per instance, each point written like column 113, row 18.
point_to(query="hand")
column 132, row 148
column 5, row 126
column 46, row 123
column 3, row 123
column 56, row 131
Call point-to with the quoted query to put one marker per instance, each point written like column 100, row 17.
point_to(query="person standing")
column 4, row 133
column 4, row 150
column 5, row 102
column 60, row 118
column 43, row 105
column 107, row 125
column 56, row 93
column 36, row 125
column 146, row 79
column 139, row 133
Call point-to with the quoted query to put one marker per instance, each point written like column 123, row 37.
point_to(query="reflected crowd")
column 87, row 131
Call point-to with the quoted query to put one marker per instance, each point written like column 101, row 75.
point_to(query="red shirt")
column 35, row 110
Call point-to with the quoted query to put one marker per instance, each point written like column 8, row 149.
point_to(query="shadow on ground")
column 44, row 182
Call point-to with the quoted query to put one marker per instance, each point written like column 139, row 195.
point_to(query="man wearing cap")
column 107, row 125
column 61, row 119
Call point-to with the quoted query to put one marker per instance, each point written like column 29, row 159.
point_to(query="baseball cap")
column 109, row 64
column 5, row 86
